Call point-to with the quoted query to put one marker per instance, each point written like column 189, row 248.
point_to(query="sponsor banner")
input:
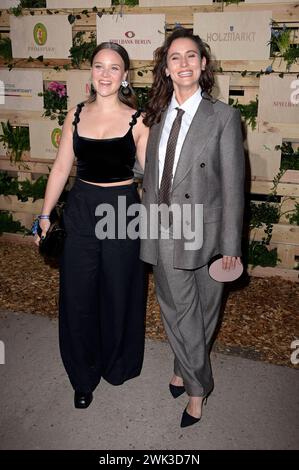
column 173, row 3
column 78, row 3
column 221, row 88
column 279, row 99
column 269, row 1
column 9, row 3
column 264, row 159
column 20, row 90
column 140, row 35
column 40, row 35
column 235, row 35
column 78, row 86
column 44, row 138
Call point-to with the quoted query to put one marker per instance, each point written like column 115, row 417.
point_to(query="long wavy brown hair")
column 162, row 88
column 125, row 95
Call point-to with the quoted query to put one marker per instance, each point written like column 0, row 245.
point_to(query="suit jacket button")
column 187, row 196
column 202, row 165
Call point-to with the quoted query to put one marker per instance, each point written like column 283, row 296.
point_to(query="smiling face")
column 184, row 65
column 107, row 73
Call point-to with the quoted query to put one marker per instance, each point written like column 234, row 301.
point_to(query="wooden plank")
column 290, row 176
column 286, row 255
column 278, row 65
column 17, row 238
column 265, row 187
column 41, row 166
column 13, row 204
column 18, row 117
column 288, row 131
column 287, row 204
column 281, row 12
column 288, row 274
column 25, row 219
column 287, row 234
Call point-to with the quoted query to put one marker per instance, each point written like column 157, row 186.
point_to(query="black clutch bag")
column 51, row 245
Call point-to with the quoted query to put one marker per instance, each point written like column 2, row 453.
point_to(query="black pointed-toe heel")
column 189, row 420
column 176, row 390
column 82, row 400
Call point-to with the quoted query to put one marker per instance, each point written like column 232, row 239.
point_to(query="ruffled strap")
column 76, row 114
column 134, row 118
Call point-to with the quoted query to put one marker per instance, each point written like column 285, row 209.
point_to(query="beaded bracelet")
column 35, row 224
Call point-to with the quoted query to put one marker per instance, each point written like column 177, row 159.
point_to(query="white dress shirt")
column 190, row 107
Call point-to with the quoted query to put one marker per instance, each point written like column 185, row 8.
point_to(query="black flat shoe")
column 176, row 390
column 82, row 400
column 188, row 420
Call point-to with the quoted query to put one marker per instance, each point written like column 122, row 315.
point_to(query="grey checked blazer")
column 210, row 171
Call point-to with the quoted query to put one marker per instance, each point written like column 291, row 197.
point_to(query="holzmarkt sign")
column 235, row 35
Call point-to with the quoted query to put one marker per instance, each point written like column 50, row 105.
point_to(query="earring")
column 124, row 83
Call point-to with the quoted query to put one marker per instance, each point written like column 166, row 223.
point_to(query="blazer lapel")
column 198, row 133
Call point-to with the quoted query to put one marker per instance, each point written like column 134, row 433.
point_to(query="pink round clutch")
column 224, row 275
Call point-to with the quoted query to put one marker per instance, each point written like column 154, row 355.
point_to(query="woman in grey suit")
column 194, row 160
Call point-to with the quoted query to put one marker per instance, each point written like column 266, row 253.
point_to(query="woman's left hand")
column 229, row 262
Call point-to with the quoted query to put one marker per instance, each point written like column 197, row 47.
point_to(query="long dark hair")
column 162, row 88
column 125, row 95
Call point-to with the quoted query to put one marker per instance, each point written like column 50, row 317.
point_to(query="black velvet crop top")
column 104, row 160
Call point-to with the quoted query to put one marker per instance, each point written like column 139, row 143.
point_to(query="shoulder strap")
column 76, row 114
column 134, row 118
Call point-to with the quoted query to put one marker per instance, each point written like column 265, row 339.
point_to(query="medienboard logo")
column 55, row 137
column 40, row 34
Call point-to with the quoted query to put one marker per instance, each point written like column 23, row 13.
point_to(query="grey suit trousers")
column 190, row 303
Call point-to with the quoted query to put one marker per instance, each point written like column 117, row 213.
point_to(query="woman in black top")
column 102, row 294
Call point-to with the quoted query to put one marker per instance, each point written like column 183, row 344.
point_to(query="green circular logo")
column 40, row 34
column 56, row 136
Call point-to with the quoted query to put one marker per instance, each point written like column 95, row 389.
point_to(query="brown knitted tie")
column 166, row 181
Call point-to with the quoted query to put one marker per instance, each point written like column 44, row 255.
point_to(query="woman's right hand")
column 44, row 225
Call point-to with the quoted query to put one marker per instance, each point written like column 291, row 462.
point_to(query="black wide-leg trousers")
column 102, row 289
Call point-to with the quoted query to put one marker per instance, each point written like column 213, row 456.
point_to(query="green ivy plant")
column 281, row 46
column 248, row 111
column 258, row 254
column 142, row 94
column 18, row 10
column 289, row 156
column 82, row 50
column 16, row 140
column 131, row 3
column 5, row 48
column 55, row 101
column 10, row 186
column 7, row 224
column 294, row 216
